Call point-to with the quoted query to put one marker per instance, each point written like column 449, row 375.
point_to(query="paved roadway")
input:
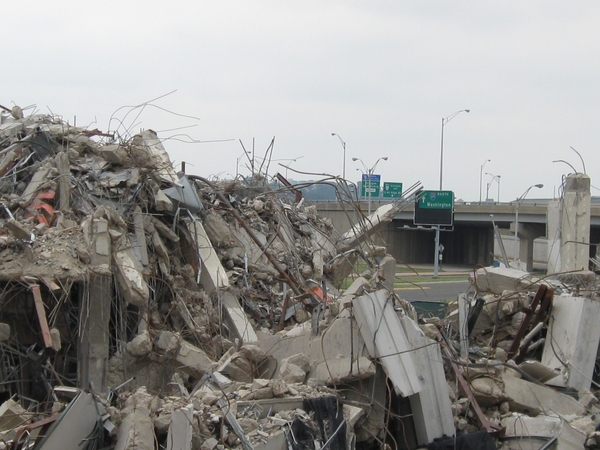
column 452, row 281
column 436, row 291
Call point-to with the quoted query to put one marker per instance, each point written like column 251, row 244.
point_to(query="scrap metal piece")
column 22, row 435
column 543, row 298
column 492, row 428
column 290, row 186
column 184, row 196
column 212, row 386
column 41, row 313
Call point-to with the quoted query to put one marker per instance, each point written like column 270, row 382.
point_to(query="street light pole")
column 480, row 177
column 437, row 228
column 487, row 191
column 344, row 161
column 518, row 202
column 369, row 173
column 444, row 122
column 498, row 188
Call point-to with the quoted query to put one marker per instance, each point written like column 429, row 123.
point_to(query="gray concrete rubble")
column 147, row 308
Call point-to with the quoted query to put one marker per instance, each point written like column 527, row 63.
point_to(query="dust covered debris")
column 157, row 309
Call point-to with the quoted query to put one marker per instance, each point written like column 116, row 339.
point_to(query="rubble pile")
column 145, row 308
column 523, row 352
column 119, row 274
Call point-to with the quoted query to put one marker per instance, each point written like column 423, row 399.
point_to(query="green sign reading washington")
column 436, row 200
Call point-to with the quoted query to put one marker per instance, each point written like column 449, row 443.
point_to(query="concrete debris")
column 145, row 308
column 523, row 431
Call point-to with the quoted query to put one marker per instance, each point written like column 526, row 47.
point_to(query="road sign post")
column 370, row 187
column 435, row 208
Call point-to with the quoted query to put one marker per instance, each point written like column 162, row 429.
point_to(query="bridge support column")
column 527, row 234
column 569, row 226
column 576, row 210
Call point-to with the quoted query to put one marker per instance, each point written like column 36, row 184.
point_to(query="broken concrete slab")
column 357, row 233
column 148, row 151
column 38, row 181
column 500, row 279
column 431, row 406
column 136, row 432
column 213, row 276
column 190, row 359
column 386, row 339
column 572, row 339
column 18, row 230
column 180, row 431
column 95, row 231
column 75, row 425
column 235, row 316
column 537, row 371
column 533, row 399
column 140, row 345
column 523, row 432
column 341, row 370
column 129, row 275
column 271, row 406
column 12, row 415
column 294, row 368
column 10, row 129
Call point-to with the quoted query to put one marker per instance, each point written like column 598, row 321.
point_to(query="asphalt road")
column 436, row 291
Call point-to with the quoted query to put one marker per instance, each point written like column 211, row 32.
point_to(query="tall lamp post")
column 445, row 120
column 480, row 177
column 516, row 256
column 369, row 173
column 344, row 147
column 494, row 178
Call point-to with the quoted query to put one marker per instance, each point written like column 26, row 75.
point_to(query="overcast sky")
column 380, row 74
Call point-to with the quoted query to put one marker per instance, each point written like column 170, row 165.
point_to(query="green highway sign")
column 370, row 185
column 434, row 208
column 392, row 190
column 436, row 200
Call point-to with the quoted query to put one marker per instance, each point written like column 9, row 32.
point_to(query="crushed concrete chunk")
column 130, row 277
column 136, row 432
column 500, row 279
column 141, row 345
column 341, row 370
column 294, row 368
column 533, row 399
column 180, row 431
column 190, row 358
column 524, row 427
column 12, row 415
column 17, row 230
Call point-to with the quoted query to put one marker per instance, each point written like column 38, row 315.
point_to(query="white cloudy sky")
column 381, row 74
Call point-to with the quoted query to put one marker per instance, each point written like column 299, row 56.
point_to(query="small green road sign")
column 392, row 190
column 436, row 200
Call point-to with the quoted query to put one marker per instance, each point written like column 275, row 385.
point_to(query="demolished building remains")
column 145, row 308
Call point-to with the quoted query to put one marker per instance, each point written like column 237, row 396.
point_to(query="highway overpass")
column 471, row 240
